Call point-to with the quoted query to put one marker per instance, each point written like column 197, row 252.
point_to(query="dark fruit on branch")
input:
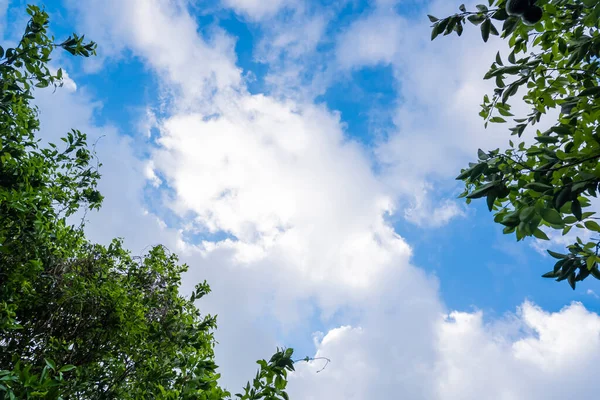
column 517, row 7
column 532, row 16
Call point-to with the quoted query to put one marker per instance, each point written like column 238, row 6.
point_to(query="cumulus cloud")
column 388, row 353
column 529, row 355
column 551, row 358
column 166, row 35
column 275, row 176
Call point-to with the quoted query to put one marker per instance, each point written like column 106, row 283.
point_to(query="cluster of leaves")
column 270, row 380
column 80, row 320
column 546, row 183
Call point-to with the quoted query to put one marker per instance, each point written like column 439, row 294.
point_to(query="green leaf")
column 462, row 8
column 66, row 368
column 459, row 28
column 561, row 130
column 485, row 30
column 570, row 220
column 509, row 229
column 591, row 262
column 562, row 45
column 527, row 213
column 497, row 120
column 592, row 225
column 50, row 364
column 442, row 25
column 482, row 191
column 478, row 170
column 563, row 196
column 593, row 91
column 579, row 187
column 451, row 25
column 538, row 187
column 551, row 216
column 500, row 15
column 510, row 90
column 559, row 264
column 547, row 139
column 509, row 26
column 432, row 18
column 465, row 174
column 493, row 29
column 576, row 209
column 505, row 113
column 567, row 106
column 538, row 233
column 491, row 198
column 571, row 280
column 511, row 58
column 476, row 19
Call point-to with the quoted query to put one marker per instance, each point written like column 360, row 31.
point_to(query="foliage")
column 270, row 380
column 80, row 320
column 547, row 181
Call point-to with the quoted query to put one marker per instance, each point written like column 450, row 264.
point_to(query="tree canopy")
column 545, row 180
column 80, row 320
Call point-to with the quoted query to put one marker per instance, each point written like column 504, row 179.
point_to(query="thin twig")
column 307, row 359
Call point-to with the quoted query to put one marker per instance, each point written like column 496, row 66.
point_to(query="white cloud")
column 282, row 180
column 554, row 357
column 289, row 46
column 372, row 40
column 256, row 9
column 293, row 43
column 424, row 212
column 530, row 355
column 167, row 36
column 387, row 354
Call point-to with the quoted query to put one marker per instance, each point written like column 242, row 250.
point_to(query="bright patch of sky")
column 300, row 156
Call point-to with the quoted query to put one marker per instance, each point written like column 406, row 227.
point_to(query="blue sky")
column 300, row 156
